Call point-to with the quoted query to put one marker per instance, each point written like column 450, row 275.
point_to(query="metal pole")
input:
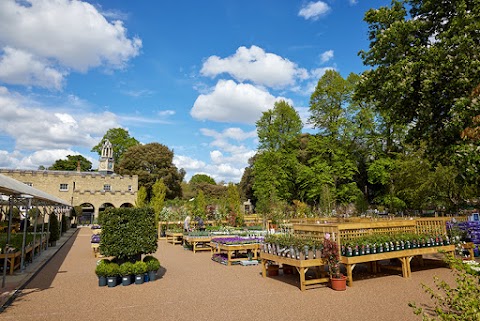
column 48, row 231
column 43, row 225
column 10, row 214
column 35, row 231
column 22, row 258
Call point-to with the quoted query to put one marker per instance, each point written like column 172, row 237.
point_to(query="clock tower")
column 106, row 161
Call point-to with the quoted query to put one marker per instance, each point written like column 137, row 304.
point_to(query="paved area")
column 193, row 287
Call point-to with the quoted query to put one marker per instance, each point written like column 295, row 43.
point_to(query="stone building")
column 93, row 191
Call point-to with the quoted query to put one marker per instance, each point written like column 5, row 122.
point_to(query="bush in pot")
column 153, row 264
column 113, row 271
column 126, row 272
column 101, row 270
column 139, row 269
column 331, row 256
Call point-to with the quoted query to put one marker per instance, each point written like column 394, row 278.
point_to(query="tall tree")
column 71, row 163
column 152, row 162
column 278, row 126
column 425, row 59
column 121, row 141
column 201, row 178
column 159, row 191
column 141, row 197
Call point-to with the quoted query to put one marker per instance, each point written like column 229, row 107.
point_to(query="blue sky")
column 192, row 75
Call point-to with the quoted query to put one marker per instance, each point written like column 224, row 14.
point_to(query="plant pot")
column 287, row 269
column 339, row 284
column 102, row 281
column 112, row 281
column 152, row 275
column 139, row 279
column 126, row 280
column 272, row 270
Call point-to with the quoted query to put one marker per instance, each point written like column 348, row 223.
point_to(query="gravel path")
column 193, row 287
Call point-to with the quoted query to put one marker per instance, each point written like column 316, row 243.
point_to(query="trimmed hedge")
column 127, row 233
column 54, row 228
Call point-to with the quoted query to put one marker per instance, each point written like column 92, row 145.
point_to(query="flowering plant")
column 331, row 255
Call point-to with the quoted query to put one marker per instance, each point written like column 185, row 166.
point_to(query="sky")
column 192, row 75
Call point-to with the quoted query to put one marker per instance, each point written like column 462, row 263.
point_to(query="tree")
column 141, row 197
column 71, row 163
column 425, row 59
column 199, row 205
column 278, row 126
column 201, row 178
column 152, row 162
column 233, row 204
column 157, row 201
column 121, row 142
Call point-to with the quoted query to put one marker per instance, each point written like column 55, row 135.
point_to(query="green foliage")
column 54, row 228
column 64, row 223
column 102, row 268
column 126, row 268
column 453, row 302
column 157, row 201
column 278, row 127
column 128, row 232
column 16, row 241
column 112, row 269
column 233, row 203
column 71, row 163
column 199, row 205
column 153, row 264
column 141, row 197
column 201, row 178
column 152, row 162
column 139, row 268
column 121, row 142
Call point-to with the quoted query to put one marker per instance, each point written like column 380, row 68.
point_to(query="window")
column 129, row 188
column 63, row 187
column 107, row 187
column 29, row 183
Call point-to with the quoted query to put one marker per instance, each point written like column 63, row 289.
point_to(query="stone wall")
column 77, row 188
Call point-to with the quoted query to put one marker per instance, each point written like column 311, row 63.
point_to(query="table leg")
column 264, row 268
column 229, row 255
column 301, row 271
column 349, row 268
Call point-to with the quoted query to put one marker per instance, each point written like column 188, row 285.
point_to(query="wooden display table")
column 174, row 237
column 302, row 267
column 404, row 256
column 13, row 260
column 230, row 249
column 199, row 243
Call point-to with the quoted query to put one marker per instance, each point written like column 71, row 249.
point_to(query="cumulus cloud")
column 55, row 37
column 48, row 128
column 255, row 65
column 352, row 2
column 326, row 56
column 46, row 157
column 314, row 10
column 232, row 102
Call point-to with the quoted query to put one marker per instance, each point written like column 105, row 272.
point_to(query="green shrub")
column 459, row 302
column 113, row 269
column 54, row 228
column 139, row 267
column 102, row 268
column 64, row 223
column 127, row 233
column 153, row 264
column 126, row 268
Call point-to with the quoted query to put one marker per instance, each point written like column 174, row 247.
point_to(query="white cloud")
column 50, row 128
column 353, row 2
column 256, row 65
column 46, row 157
column 314, row 10
column 326, row 56
column 58, row 36
column 22, row 68
column 232, row 102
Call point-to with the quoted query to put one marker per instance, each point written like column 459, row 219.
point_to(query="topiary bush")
column 139, row 268
column 54, row 229
column 126, row 268
column 153, row 264
column 127, row 233
column 102, row 268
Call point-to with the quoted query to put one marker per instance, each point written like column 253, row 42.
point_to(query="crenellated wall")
column 81, row 187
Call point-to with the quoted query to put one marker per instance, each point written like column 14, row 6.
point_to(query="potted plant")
column 139, row 269
column 332, row 257
column 113, row 271
column 153, row 264
column 101, row 271
column 126, row 271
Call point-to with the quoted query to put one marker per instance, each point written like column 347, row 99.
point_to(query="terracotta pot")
column 339, row 284
column 272, row 270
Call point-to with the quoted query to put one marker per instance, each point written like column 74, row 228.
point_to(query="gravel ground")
column 193, row 287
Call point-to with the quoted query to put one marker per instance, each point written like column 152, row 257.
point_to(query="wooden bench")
column 231, row 249
column 302, row 267
column 174, row 237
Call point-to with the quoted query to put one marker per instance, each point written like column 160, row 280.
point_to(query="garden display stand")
column 230, row 249
column 174, row 237
column 302, row 267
